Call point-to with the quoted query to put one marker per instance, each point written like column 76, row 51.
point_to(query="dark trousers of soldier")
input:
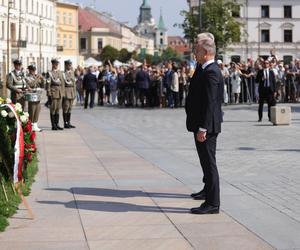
column 54, row 113
column 67, row 105
column 34, row 109
column 67, row 108
column 55, row 106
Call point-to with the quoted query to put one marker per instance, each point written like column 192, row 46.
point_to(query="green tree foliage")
column 124, row 55
column 109, row 53
column 170, row 54
column 218, row 18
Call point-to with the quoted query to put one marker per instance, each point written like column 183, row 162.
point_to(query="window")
column 83, row 43
column 65, row 18
column 70, row 41
column 265, row 36
column 57, row 17
column 287, row 11
column 265, row 11
column 32, row 34
column 58, row 39
column 27, row 33
column 3, row 30
column 37, row 8
column 65, row 40
column 161, row 34
column 236, row 59
column 70, row 19
column 287, row 59
column 100, row 44
column 161, row 41
column 235, row 12
column 288, row 36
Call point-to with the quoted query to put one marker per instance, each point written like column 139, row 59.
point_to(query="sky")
column 128, row 11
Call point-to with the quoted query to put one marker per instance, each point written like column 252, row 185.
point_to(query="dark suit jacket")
column 142, row 79
column 90, row 82
column 261, row 81
column 204, row 100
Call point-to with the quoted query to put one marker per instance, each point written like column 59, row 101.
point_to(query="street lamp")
column 40, row 44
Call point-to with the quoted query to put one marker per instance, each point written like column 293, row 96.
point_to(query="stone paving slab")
column 98, row 191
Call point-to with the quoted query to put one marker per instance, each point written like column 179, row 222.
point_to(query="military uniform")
column 56, row 91
column 17, row 85
column 34, row 82
column 70, row 94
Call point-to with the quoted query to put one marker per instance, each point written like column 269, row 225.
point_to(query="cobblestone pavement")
column 259, row 163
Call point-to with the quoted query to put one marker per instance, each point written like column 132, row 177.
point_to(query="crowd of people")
column 167, row 85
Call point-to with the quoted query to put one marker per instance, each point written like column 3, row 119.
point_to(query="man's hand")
column 201, row 136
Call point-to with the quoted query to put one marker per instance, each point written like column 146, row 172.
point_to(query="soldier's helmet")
column 68, row 62
column 17, row 62
column 54, row 61
column 31, row 67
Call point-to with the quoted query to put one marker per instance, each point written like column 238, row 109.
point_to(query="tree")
column 124, row 55
column 218, row 18
column 170, row 54
column 109, row 53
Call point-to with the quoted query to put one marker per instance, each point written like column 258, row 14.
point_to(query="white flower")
column 7, row 128
column 4, row 113
column 23, row 118
column 8, row 101
column 26, row 114
column 18, row 107
column 11, row 115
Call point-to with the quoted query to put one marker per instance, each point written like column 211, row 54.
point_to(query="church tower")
column 145, row 13
column 161, row 38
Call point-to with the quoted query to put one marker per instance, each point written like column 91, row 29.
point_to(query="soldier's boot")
column 57, row 122
column 53, row 124
column 66, row 123
column 69, row 121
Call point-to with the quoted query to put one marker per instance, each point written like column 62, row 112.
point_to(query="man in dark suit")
column 266, row 89
column 204, row 118
column 89, row 85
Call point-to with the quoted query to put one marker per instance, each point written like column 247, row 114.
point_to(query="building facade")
column 67, row 32
column 32, row 32
column 269, row 28
column 98, row 30
column 180, row 45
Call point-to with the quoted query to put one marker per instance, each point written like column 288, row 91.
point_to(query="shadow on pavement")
column 117, row 193
column 118, row 207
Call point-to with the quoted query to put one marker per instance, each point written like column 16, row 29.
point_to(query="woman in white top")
column 235, row 79
column 175, row 88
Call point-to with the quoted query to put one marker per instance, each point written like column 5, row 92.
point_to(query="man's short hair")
column 205, row 36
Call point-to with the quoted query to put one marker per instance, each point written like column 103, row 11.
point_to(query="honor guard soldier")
column 16, row 83
column 35, row 82
column 70, row 93
column 56, row 91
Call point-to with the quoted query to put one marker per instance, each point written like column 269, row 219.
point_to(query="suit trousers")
column 265, row 96
column 55, row 106
column 34, row 109
column 207, row 154
column 67, row 105
column 89, row 92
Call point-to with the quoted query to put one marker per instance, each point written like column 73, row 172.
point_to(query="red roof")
column 88, row 20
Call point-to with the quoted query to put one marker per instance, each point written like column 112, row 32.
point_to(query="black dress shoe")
column 200, row 196
column 196, row 194
column 205, row 209
column 259, row 120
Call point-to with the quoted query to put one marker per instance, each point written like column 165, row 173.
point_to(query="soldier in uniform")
column 70, row 93
column 56, row 91
column 35, row 82
column 17, row 84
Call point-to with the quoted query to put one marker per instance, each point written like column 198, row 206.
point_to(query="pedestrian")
column 90, row 86
column 235, row 79
column 266, row 89
column 175, row 88
column 204, row 117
